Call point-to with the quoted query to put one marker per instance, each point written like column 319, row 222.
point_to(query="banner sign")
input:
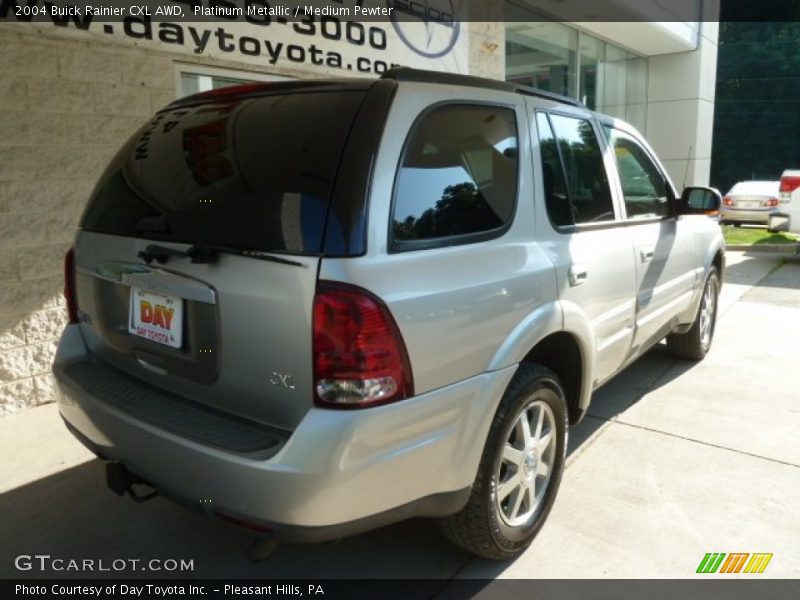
column 336, row 37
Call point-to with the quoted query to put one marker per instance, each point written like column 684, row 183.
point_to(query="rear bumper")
column 738, row 215
column 338, row 473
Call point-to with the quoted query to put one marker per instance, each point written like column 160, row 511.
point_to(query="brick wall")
column 67, row 107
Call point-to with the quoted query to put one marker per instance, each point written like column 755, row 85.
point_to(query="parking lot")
column 673, row 461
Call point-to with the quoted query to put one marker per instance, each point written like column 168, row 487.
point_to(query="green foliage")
column 754, row 236
column 461, row 209
column 757, row 112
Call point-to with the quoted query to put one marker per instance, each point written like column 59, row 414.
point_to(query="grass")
column 754, row 236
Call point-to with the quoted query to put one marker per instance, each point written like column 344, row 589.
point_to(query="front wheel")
column 520, row 469
column 695, row 343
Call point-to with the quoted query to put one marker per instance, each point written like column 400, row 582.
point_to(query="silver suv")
column 314, row 308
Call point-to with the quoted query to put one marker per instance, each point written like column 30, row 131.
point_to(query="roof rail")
column 423, row 76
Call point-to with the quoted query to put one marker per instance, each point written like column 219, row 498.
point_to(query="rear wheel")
column 695, row 343
column 520, row 469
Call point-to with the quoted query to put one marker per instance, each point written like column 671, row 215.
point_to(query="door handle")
column 577, row 275
column 647, row 254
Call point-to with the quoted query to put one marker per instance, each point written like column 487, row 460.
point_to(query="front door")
column 664, row 252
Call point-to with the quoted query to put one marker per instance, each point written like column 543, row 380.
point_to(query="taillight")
column 727, row 201
column 360, row 358
column 69, row 286
column 771, row 202
column 789, row 183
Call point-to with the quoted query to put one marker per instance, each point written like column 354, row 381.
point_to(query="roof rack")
column 423, row 76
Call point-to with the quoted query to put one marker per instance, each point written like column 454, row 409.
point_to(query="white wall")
column 680, row 108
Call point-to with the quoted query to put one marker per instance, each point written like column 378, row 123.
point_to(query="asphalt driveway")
column 674, row 460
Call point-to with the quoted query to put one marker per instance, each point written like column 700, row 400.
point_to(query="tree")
column 461, row 209
column 757, row 111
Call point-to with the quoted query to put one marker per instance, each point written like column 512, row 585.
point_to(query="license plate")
column 156, row 317
column 749, row 204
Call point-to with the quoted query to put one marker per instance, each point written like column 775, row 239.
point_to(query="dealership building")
column 74, row 89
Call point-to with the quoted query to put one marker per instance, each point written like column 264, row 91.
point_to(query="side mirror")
column 700, row 201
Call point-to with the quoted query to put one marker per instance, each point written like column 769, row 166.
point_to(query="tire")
column 695, row 343
column 504, row 529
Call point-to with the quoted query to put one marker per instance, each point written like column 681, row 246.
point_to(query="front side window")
column 643, row 186
column 458, row 175
column 587, row 181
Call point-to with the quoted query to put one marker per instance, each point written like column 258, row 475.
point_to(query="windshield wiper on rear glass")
column 207, row 253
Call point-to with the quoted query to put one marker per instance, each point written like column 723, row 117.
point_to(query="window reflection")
column 254, row 173
column 555, row 57
column 644, row 188
column 587, row 181
column 458, row 174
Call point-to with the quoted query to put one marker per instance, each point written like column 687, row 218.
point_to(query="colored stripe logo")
column 735, row 562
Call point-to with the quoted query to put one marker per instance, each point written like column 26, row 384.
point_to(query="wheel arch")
column 718, row 261
column 715, row 257
column 557, row 336
column 562, row 353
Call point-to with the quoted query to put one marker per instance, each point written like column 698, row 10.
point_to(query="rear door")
column 581, row 230
column 246, row 182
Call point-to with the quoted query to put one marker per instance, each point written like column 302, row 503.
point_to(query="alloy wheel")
column 707, row 309
column 526, row 463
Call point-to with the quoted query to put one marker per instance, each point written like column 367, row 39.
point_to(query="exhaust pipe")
column 121, row 481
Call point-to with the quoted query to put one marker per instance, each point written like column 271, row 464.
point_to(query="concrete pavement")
column 674, row 460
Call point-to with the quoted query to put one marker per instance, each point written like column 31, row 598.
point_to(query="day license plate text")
column 156, row 317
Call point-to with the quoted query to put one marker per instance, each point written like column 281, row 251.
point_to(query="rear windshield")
column 250, row 173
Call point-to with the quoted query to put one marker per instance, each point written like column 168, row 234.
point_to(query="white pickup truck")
column 788, row 218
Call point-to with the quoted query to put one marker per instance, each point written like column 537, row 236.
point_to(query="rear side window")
column 643, row 186
column 589, row 194
column 248, row 173
column 556, row 195
column 457, row 180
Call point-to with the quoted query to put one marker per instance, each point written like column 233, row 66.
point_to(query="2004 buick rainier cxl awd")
column 324, row 306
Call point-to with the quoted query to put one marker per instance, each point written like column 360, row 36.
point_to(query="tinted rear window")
column 251, row 173
column 458, row 176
